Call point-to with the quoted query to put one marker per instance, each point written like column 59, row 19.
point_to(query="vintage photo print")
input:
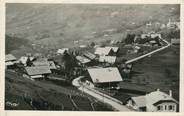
column 92, row 57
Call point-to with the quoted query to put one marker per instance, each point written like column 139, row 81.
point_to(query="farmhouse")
column 102, row 51
column 107, row 59
column 90, row 55
column 106, row 51
column 38, row 72
column 83, row 60
column 156, row 101
column 49, row 64
column 62, row 51
column 105, row 77
column 24, row 60
column 10, row 60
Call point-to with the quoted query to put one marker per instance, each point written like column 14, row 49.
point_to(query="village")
column 102, row 71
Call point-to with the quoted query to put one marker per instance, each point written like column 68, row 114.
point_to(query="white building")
column 62, row 51
column 108, row 59
column 156, row 101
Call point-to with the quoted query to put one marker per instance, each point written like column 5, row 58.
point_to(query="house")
column 114, row 49
column 10, row 60
column 107, row 59
column 102, row 51
column 154, row 35
column 90, row 55
column 105, row 77
column 156, row 101
column 49, row 64
column 62, row 51
column 106, row 51
column 83, row 60
column 175, row 41
column 24, row 59
column 38, row 72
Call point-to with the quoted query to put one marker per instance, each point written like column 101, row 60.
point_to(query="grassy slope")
column 18, row 88
column 159, row 71
column 61, row 24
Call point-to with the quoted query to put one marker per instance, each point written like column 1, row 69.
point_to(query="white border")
column 77, row 113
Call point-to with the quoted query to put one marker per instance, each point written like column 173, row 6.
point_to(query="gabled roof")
column 90, row 55
column 10, row 57
column 103, row 51
column 108, row 59
column 24, row 59
column 114, row 49
column 61, row 51
column 140, row 101
column 50, row 64
column 103, row 75
column 82, row 59
column 157, row 96
column 37, row 70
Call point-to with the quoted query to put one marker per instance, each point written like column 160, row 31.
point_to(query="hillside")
column 62, row 24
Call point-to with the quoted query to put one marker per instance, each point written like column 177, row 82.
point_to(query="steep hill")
column 61, row 24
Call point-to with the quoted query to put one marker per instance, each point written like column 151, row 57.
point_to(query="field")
column 45, row 95
column 161, row 70
column 48, row 26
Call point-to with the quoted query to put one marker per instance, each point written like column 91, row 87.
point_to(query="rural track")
column 107, row 99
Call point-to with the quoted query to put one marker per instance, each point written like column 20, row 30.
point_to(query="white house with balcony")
column 156, row 101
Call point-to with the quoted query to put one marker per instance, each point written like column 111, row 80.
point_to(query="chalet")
column 173, row 24
column 107, row 59
column 106, row 51
column 24, row 60
column 62, row 51
column 49, row 64
column 83, row 60
column 102, row 51
column 154, row 35
column 156, row 101
column 90, row 55
column 114, row 49
column 105, row 77
column 10, row 61
column 175, row 41
column 38, row 72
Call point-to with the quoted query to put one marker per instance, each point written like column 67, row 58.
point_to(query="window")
column 159, row 107
column 171, row 107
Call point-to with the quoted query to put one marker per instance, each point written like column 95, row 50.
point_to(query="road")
column 150, row 53
column 116, row 104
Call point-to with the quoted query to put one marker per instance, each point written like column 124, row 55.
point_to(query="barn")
column 105, row 77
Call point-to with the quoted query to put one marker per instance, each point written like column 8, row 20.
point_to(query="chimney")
column 170, row 93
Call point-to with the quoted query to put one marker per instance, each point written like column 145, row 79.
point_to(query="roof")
column 50, row 64
column 90, row 55
column 115, row 49
column 140, row 101
column 23, row 59
column 38, row 70
column 61, row 51
column 9, row 57
column 108, row 59
column 83, row 59
column 103, row 50
column 103, row 75
column 9, row 63
column 157, row 96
